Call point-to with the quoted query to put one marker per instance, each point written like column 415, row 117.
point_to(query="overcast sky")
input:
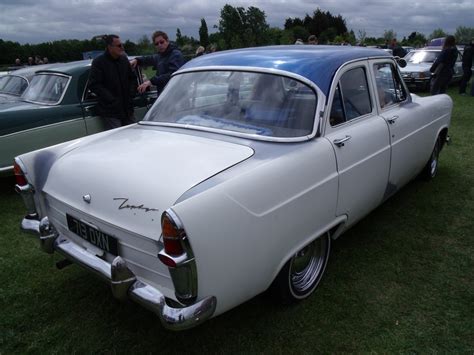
column 28, row 21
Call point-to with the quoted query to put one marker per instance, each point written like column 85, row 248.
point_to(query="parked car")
column 417, row 72
column 56, row 107
column 247, row 166
column 15, row 82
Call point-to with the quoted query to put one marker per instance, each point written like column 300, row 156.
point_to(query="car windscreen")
column 252, row 103
column 421, row 57
column 12, row 85
column 46, row 88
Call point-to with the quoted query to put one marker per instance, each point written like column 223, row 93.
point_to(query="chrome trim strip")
column 184, row 275
column 6, row 169
column 80, row 118
column 124, row 283
column 231, row 133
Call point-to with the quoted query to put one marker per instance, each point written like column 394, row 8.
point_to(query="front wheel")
column 431, row 168
column 302, row 273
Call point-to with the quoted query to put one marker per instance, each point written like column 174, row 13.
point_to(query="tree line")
column 238, row 27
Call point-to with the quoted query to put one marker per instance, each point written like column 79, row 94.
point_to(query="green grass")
column 400, row 281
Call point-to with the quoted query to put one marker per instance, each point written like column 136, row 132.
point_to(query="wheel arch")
column 335, row 229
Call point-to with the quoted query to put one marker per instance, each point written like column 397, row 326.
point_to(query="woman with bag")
column 443, row 67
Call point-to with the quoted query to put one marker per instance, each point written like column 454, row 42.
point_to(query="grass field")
column 401, row 281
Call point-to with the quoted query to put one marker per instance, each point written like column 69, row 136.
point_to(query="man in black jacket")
column 113, row 81
column 168, row 59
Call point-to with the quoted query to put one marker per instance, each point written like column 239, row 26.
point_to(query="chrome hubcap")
column 307, row 265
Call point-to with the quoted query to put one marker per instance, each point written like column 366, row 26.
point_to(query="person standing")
column 113, row 81
column 168, row 59
column 466, row 68
column 443, row 67
column 397, row 50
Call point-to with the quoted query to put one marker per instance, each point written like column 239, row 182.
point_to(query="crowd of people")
column 36, row 60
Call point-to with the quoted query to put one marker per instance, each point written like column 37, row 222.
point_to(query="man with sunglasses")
column 167, row 60
column 112, row 79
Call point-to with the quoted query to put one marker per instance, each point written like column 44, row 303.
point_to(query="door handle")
column 340, row 142
column 392, row 120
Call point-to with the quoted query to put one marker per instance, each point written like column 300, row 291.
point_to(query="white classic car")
column 247, row 166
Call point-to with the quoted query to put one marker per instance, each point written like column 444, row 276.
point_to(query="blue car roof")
column 314, row 62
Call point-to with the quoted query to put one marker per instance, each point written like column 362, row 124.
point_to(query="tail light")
column 172, row 235
column 19, row 175
column 177, row 254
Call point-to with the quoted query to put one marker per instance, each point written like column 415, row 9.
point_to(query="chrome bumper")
column 123, row 282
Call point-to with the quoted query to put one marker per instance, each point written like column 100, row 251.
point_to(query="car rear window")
column 252, row 103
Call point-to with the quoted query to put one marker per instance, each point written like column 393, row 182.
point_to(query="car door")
column 361, row 142
column 411, row 126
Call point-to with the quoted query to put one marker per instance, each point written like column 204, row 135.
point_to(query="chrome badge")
column 87, row 198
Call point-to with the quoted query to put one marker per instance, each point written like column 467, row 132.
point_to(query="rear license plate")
column 92, row 235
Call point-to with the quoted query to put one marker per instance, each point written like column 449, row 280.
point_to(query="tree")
column 203, row 34
column 361, row 36
column 415, row 39
column 322, row 24
column 299, row 32
column 274, row 35
column 388, row 35
column 464, row 34
column 242, row 28
column 144, row 46
column 255, row 21
column 437, row 33
column 179, row 38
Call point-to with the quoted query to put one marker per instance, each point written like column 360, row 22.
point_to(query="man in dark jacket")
column 168, row 59
column 397, row 50
column 466, row 67
column 113, row 81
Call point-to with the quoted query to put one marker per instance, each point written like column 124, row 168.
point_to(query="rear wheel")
column 431, row 168
column 302, row 273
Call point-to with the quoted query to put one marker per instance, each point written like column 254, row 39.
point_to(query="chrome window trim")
column 353, row 64
column 372, row 64
column 69, row 77
column 321, row 99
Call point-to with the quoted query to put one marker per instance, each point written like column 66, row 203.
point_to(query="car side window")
column 389, row 85
column 351, row 97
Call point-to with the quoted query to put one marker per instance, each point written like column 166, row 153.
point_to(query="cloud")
column 28, row 21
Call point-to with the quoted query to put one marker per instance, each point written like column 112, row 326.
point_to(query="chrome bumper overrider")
column 123, row 282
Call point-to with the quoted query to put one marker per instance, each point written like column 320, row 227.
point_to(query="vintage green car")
column 56, row 107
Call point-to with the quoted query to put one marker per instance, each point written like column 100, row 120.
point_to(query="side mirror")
column 402, row 63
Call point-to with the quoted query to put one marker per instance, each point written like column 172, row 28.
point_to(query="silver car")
column 417, row 71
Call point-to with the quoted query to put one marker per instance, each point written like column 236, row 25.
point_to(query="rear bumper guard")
column 123, row 282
